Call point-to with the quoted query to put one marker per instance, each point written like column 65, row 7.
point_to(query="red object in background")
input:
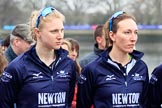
column 75, row 98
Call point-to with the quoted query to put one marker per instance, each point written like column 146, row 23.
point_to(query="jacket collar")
column 137, row 55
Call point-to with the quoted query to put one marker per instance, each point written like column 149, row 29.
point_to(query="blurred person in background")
column 43, row 76
column 155, row 88
column 74, row 53
column 119, row 77
column 5, row 43
column 66, row 45
column 20, row 41
column 72, row 46
column 99, row 46
column 1, row 43
column 3, row 61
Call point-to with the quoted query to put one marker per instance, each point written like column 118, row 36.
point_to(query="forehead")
column 54, row 23
column 127, row 24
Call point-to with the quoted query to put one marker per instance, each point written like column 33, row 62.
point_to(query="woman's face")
column 126, row 36
column 52, row 33
column 73, row 54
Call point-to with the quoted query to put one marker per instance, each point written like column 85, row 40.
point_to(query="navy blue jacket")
column 106, row 85
column 29, row 83
column 155, row 88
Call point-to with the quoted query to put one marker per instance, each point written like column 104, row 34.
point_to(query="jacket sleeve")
column 8, row 88
column 155, row 88
column 85, row 89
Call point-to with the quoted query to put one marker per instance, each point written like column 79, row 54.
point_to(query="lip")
column 58, row 43
column 131, row 45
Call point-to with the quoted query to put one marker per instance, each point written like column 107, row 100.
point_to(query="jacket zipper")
column 53, row 68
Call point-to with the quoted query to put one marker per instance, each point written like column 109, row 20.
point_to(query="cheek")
column 119, row 40
column 103, row 42
column 47, row 37
column 27, row 46
column 136, row 38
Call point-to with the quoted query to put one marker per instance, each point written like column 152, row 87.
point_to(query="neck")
column 46, row 55
column 120, row 57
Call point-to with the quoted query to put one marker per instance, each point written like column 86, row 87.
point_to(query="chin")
column 56, row 48
column 130, row 51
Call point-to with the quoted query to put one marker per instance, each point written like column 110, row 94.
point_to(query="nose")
column 134, row 37
column 60, row 35
column 74, row 55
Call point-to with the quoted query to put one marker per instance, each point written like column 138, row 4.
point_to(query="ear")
column 37, row 32
column 16, row 41
column 98, row 39
column 112, row 36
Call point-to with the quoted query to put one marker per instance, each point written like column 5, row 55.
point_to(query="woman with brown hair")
column 74, row 54
column 119, row 77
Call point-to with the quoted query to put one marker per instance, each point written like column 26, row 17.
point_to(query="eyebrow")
column 57, row 29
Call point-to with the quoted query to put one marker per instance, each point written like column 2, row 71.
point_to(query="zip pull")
column 52, row 78
column 57, row 61
column 125, row 75
column 126, row 83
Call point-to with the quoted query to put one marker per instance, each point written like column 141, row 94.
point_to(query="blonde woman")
column 43, row 76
